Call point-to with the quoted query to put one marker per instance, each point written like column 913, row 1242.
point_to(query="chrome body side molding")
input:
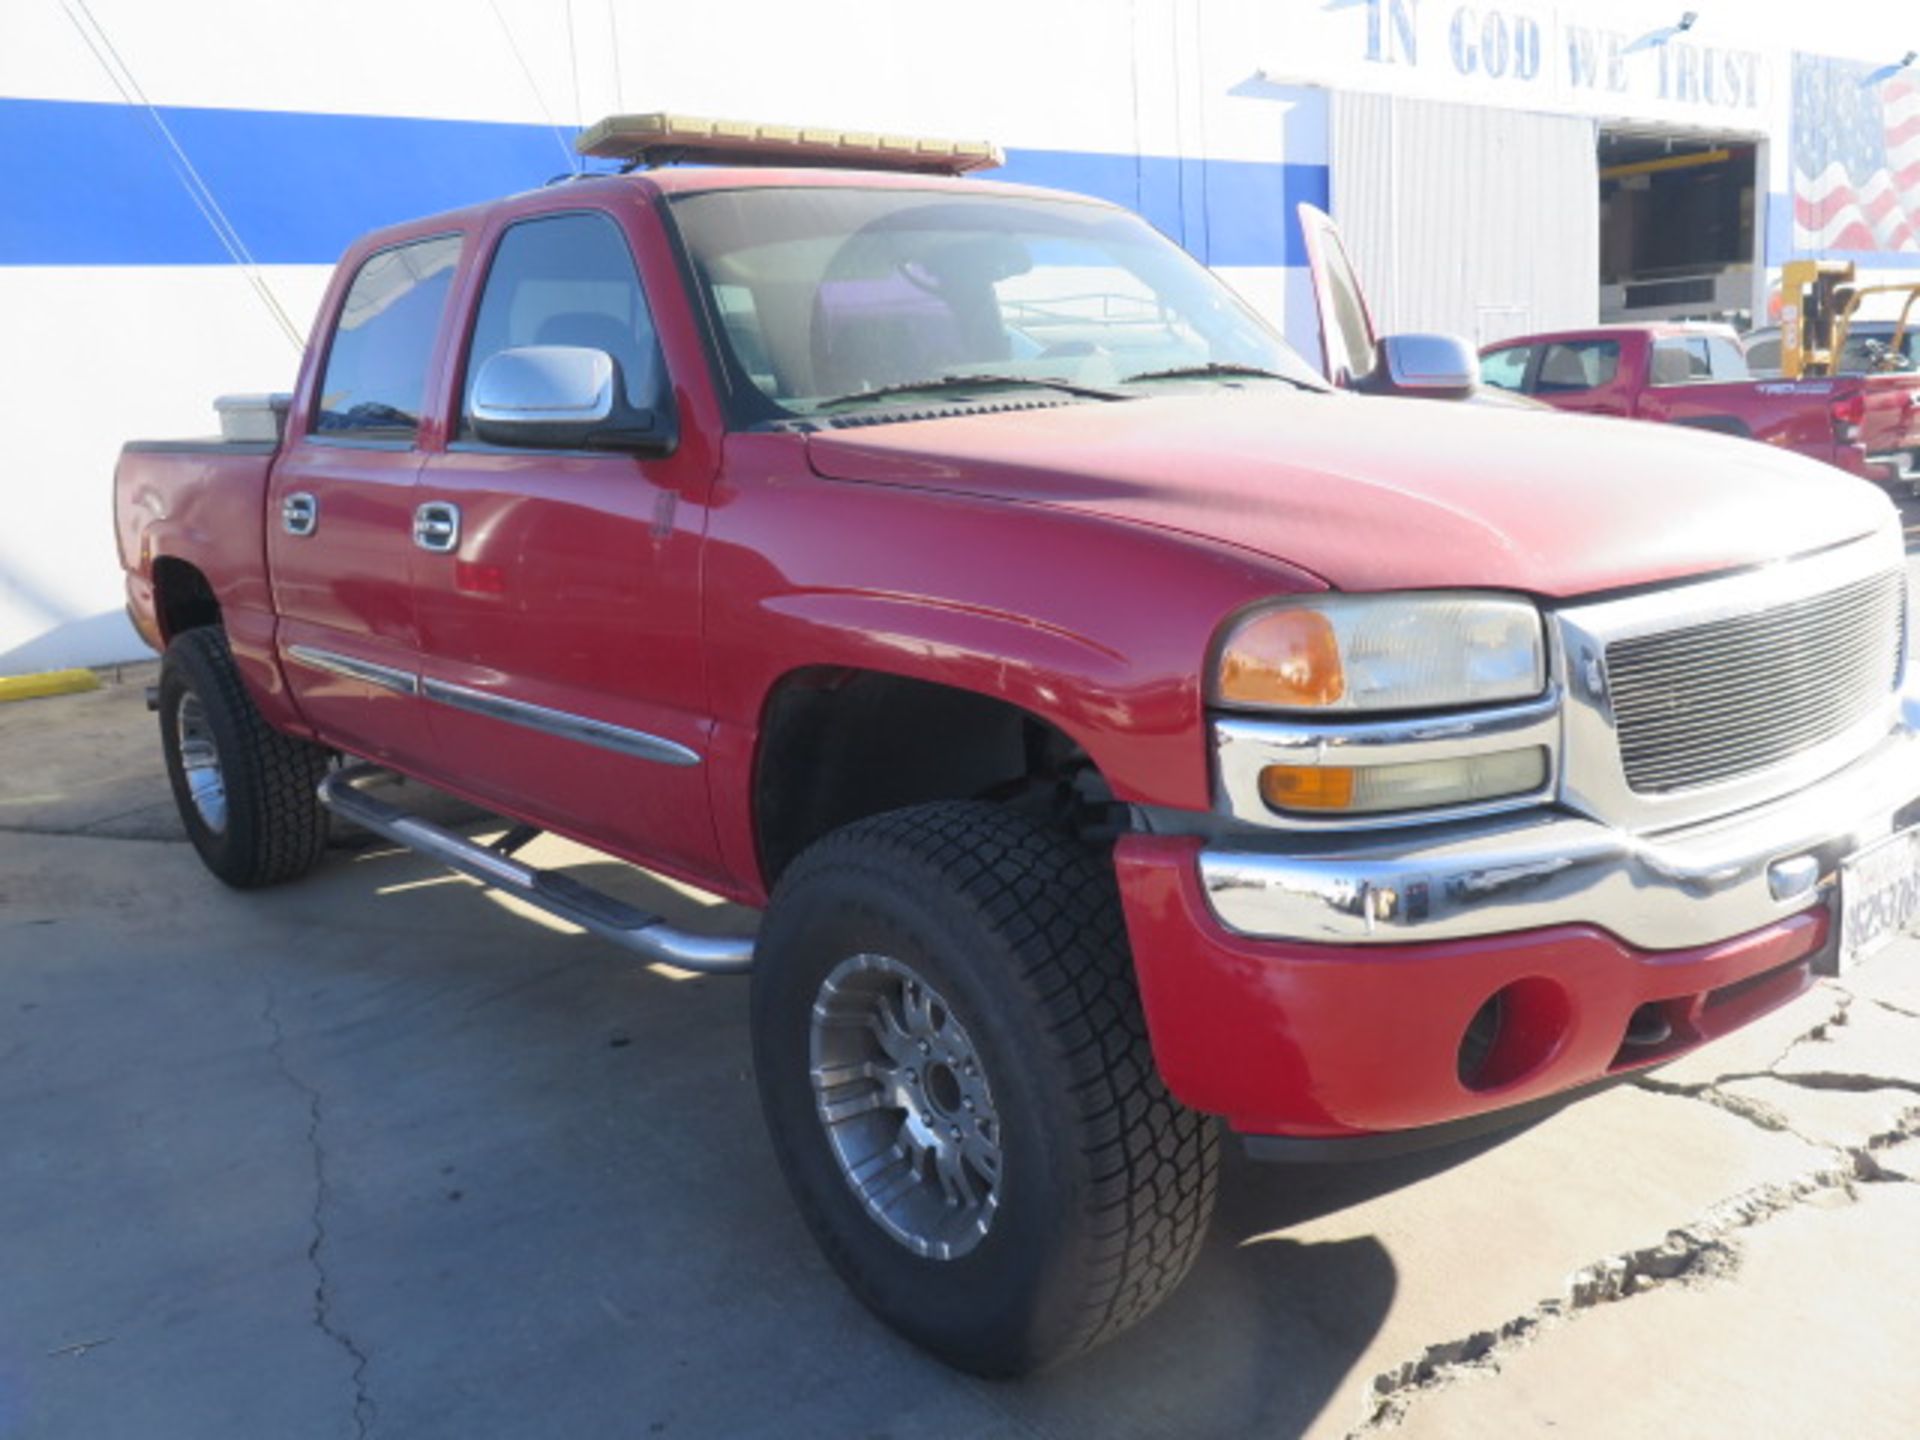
column 567, row 726
column 401, row 682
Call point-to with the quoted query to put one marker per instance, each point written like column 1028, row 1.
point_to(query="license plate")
column 1879, row 896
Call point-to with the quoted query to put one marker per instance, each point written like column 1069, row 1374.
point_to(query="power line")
column 560, row 139
column 198, row 191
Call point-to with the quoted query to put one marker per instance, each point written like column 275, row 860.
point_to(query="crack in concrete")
column 1696, row 1254
column 1699, row 1253
column 364, row 1409
column 1894, row 1009
column 57, row 832
column 1820, row 1032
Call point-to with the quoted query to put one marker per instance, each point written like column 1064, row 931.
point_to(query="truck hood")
column 1385, row 494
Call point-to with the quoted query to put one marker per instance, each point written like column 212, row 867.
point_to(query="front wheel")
column 248, row 795
column 956, row 1076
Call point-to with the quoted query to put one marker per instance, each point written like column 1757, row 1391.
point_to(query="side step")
column 648, row 936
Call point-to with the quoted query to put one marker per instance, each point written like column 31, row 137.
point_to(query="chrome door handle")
column 436, row 527
column 299, row 514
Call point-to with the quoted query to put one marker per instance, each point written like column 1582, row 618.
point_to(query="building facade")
column 179, row 178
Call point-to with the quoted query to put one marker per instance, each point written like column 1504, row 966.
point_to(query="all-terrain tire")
column 265, row 824
column 1106, row 1183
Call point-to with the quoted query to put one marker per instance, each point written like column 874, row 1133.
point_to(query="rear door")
column 340, row 506
column 1349, row 346
column 559, row 619
column 1582, row 374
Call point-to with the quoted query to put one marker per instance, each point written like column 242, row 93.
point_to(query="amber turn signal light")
column 1282, row 657
column 1307, row 787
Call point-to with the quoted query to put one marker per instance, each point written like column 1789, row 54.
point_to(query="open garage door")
column 1479, row 222
column 1677, row 225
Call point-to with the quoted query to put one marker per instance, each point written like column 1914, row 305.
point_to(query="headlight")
column 1407, row 651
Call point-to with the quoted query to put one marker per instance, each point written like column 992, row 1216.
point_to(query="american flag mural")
column 1856, row 158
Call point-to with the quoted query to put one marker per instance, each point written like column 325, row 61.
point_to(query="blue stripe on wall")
column 94, row 184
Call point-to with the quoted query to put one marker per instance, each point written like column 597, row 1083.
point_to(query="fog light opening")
column 1477, row 1044
column 1649, row 1026
column 1519, row 1029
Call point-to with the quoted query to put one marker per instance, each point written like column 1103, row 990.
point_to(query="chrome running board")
column 636, row 931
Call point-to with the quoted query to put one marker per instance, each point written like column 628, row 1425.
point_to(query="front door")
column 559, row 608
column 340, row 509
column 1349, row 348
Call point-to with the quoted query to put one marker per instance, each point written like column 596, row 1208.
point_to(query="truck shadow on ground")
column 574, row 1040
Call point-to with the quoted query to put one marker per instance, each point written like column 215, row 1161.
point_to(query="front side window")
column 824, row 296
column 1353, row 353
column 376, row 377
column 1570, row 367
column 567, row 280
column 1505, row 369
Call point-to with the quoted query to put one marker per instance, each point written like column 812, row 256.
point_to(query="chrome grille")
column 1724, row 699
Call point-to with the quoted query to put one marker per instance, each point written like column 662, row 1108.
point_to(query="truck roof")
column 1653, row 329
column 672, row 181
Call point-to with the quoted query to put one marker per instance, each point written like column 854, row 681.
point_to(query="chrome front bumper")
column 1687, row 886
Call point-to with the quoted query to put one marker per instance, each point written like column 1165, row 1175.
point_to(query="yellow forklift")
column 1819, row 301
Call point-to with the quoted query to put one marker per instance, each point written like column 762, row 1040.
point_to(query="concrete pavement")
column 366, row 1156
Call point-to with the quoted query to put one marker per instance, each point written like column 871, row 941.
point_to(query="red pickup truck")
column 1696, row 375
column 1119, row 727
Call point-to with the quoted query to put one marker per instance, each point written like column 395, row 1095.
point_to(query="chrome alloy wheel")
column 200, row 762
column 906, row 1105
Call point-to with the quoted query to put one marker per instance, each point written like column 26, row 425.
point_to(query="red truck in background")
column 1696, row 375
column 1119, row 726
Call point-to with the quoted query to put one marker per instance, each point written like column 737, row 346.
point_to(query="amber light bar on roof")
column 662, row 139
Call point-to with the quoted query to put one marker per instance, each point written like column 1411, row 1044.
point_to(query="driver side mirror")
column 1439, row 367
column 561, row 397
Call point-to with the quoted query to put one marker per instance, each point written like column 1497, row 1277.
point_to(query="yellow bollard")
column 49, row 682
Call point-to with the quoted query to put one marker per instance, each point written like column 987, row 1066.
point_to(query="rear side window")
column 567, row 280
column 1505, row 369
column 1680, row 362
column 1576, row 365
column 1764, row 354
column 1689, row 359
column 376, row 377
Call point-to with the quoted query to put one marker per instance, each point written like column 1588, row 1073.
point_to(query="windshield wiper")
column 966, row 382
column 1220, row 370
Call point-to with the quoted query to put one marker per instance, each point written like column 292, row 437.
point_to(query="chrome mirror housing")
column 1433, row 365
column 561, row 397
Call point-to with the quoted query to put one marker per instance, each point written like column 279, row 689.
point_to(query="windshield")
column 825, row 296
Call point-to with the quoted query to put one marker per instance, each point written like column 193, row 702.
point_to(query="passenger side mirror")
column 561, row 397
column 1441, row 367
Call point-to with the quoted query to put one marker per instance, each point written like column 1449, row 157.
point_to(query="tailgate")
column 1890, row 424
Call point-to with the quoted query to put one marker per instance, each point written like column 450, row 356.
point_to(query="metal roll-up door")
column 1480, row 222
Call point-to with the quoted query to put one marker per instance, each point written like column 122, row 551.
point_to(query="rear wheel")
column 956, row 1075
column 247, row 793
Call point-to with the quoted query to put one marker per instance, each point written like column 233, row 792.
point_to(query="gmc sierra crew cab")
column 1125, row 734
